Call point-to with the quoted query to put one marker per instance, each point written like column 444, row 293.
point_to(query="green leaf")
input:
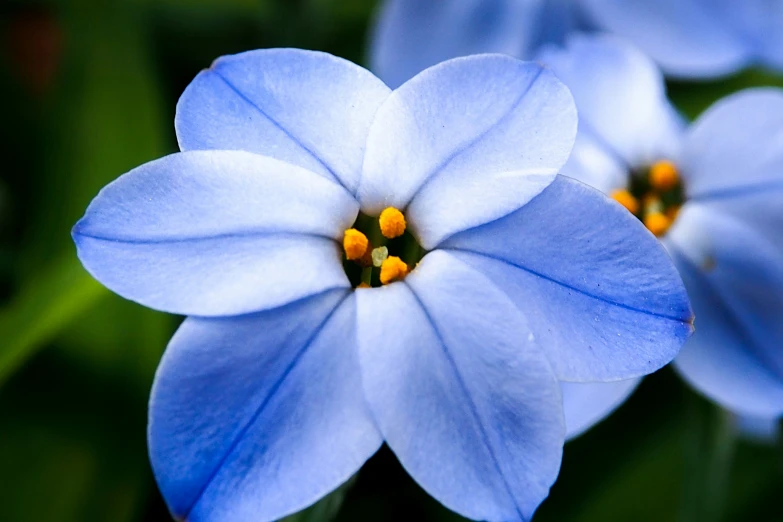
column 72, row 448
column 51, row 300
column 693, row 98
column 107, row 119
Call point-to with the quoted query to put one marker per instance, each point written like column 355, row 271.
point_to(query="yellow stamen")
column 363, row 285
column 393, row 269
column 657, row 223
column 625, row 198
column 392, row 223
column 664, row 176
column 355, row 244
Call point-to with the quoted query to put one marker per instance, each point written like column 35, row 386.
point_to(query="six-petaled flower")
column 297, row 362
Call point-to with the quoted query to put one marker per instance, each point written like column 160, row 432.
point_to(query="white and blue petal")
column 736, row 147
column 465, row 142
column 687, row 38
column 255, row 417
column 304, row 107
column 216, row 233
column 757, row 23
column 764, row 22
column 625, row 120
column 587, row 403
column 460, row 390
column 600, row 293
column 734, row 276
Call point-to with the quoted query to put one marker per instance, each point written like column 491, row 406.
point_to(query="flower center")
column 655, row 195
column 379, row 251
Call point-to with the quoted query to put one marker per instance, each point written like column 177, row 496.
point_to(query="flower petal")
column 763, row 20
column 467, row 402
column 763, row 430
column 256, row 417
column 734, row 276
column 485, row 123
column 719, row 360
column 621, row 97
column 687, row 38
column 588, row 403
column 216, row 233
column 304, row 107
column 736, row 146
column 412, row 35
column 603, row 299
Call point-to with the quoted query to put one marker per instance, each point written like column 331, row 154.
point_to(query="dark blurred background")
column 88, row 90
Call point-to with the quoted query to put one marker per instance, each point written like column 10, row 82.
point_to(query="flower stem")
column 710, row 454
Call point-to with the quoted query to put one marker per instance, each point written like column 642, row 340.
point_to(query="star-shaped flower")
column 711, row 191
column 360, row 266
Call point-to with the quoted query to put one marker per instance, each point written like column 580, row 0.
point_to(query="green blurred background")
column 87, row 91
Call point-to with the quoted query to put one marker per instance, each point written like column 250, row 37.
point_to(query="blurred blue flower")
column 714, row 194
column 697, row 39
column 411, row 35
column 687, row 38
column 284, row 380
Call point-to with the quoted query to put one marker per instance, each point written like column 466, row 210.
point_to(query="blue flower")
column 285, row 379
column 687, row 38
column 411, row 35
column 697, row 39
column 712, row 191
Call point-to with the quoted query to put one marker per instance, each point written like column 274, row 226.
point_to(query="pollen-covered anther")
column 657, row 223
column 393, row 269
column 627, row 200
column 355, row 244
column 664, row 175
column 392, row 223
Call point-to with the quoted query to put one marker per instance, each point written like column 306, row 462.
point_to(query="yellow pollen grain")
column 393, row 269
column 627, row 200
column 392, row 223
column 657, row 223
column 664, row 176
column 355, row 244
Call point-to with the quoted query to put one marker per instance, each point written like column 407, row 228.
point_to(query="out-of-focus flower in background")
column 286, row 379
column 711, row 191
column 697, row 39
column 411, row 35
column 687, row 38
